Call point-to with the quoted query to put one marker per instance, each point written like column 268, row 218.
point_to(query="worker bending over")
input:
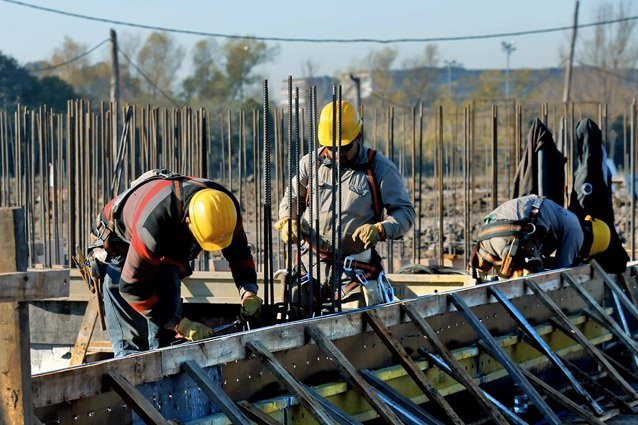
column 149, row 235
column 370, row 184
column 530, row 233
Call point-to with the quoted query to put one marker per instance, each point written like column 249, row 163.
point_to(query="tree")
column 607, row 57
column 158, row 61
column 17, row 85
column 421, row 71
column 241, row 58
column 231, row 77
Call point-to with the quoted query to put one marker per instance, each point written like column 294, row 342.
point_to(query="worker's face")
column 348, row 152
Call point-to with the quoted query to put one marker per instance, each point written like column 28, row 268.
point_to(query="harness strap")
column 377, row 202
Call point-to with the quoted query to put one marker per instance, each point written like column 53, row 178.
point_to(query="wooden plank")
column 410, row 366
column 298, row 389
column 16, row 405
column 136, row 400
column 215, row 393
column 34, row 285
column 86, row 380
column 351, row 374
column 78, row 353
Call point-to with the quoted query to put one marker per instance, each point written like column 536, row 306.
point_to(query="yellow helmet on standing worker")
column 350, row 127
column 601, row 235
column 213, row 217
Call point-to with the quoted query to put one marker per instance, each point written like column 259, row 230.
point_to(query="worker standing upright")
column 149, row 235
column 370, row 184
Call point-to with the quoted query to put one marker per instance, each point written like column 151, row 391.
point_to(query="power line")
column 321, row 40
column 78, row 57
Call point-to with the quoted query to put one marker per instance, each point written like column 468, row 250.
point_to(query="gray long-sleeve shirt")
column 564, row 234
column 356, row 199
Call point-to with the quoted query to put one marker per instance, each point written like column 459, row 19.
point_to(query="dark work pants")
column 129, row 331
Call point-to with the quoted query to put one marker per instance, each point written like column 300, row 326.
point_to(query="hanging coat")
column 541, row 170
column 591, row 192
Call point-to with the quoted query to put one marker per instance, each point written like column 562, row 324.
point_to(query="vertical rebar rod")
column 413, row 181
column 494, row 157
column 390, row 148
column 632, row 182
column 420, row 205
column 297, row 154
column 439, row 184
column 268, row 261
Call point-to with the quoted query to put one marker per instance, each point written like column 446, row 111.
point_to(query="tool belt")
column 526, row 244
column 359, row 271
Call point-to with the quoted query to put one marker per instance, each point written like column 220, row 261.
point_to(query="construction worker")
column 531, row 233
column 149, row 235
column 370, row 184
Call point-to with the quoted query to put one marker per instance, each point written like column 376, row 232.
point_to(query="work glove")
column 368, row 234
column 282, row 226
column 250, row 307
column 193, row 331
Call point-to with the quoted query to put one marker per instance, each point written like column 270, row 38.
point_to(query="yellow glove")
column 193, row 331
column 250, row 307
column 282, row 226
column 368, row 234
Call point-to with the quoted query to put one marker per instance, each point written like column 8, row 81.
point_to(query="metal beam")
column 351, row 374
column 497, row 352
column 544, row 348
column 461, row 375
column 573, row 332
column 215, row 393
column 410, row 366
column 289, row 381
column 136, row 400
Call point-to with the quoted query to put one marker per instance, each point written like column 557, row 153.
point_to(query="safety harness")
column 525, row 236
column 107, row 229
column 360, row 271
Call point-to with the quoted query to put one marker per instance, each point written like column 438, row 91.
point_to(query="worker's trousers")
column 129, row 331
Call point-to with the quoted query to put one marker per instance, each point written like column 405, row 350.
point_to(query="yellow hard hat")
column 213, row 218
column 350, row 127
column 602, row 235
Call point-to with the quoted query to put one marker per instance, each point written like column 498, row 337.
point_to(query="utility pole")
column 567, row 87
column 115, row 72
column 357, row 86
column 508, row 48
column 450, row 64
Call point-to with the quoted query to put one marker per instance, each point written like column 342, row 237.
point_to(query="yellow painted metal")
column 480, row 365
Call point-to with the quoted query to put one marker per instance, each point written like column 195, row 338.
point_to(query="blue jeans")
column 129, row 331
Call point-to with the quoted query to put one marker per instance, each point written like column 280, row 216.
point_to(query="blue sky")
column 29, row 35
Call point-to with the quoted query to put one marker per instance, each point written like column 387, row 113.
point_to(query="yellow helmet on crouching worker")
column 351, row 124
column 213, row 217
column 601, row 235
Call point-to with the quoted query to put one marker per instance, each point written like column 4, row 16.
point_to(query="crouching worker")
column 146, row 238
column 370, row 185
column 531, row 234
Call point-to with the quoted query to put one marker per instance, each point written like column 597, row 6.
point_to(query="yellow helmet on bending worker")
column 213, row 218
column 350, row 128
column 601, row 235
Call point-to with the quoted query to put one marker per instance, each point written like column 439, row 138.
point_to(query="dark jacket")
column 541, row 169
column 152, row 221
column 591, row 192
